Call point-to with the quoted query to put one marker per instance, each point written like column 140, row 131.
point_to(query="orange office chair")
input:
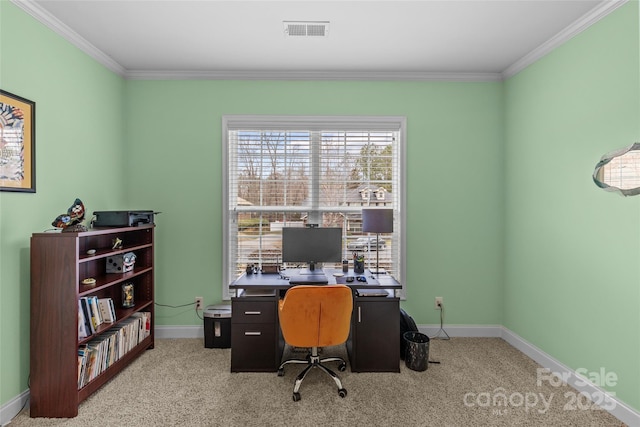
column 316, row 316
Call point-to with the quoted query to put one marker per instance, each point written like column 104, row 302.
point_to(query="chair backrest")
column 316, row 316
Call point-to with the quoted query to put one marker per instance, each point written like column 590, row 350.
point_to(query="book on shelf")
column 81, row 365
column 96, row 319
column 101, row 352
column 112, row 307
column 86, row 311
column 82, row 324
column 92, row 355
column 144, row 324
column 107, row 310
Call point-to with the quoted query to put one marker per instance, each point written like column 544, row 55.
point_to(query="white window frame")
column 267, row 122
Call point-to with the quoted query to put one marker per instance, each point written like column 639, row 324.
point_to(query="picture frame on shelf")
column 17, row 143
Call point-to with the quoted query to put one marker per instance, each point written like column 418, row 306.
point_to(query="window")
column 288, row 171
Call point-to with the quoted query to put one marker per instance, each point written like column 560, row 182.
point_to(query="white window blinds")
column 294, row 171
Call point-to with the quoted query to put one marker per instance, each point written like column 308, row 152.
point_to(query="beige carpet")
column 180, row 383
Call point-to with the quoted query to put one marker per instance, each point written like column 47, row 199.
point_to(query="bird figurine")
column 71, row 221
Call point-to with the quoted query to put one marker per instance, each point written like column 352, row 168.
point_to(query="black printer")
column 123, row 218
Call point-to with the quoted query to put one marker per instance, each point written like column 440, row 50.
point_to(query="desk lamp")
column 377, row 221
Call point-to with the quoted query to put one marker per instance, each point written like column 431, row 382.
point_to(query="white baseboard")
column 620, row 410
column 467, row 331
column 611, row 404
column 9, row 410
column 179, row 332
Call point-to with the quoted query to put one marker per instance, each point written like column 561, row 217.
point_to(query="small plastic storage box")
column 217, row 326
column 121, row 263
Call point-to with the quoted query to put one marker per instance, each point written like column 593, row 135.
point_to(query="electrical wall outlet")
column 438, row 303
column 199, row 303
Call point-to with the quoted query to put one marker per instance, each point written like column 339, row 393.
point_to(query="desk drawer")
column 253, row 348
column 253, row 311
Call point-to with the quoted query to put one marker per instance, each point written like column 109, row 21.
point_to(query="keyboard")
column 309, row 279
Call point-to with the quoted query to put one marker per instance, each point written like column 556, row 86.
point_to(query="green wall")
column 572, row 278
column 482, row 231
column 79, row 153
column 454, row 176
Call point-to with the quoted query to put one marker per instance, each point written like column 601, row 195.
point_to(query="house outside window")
column 294, row 171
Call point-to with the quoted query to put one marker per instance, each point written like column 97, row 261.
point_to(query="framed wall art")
column 17, row 143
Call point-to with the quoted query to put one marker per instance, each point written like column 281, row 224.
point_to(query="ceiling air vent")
column 306, row 28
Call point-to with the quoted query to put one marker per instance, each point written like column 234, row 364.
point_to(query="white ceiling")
column 418, row 39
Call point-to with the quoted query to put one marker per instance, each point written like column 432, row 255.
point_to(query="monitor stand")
column 309, row 276
column 311, row 270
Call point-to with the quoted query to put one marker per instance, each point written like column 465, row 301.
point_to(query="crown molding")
column 53, row 23
column 50, row 21
column 310, row 75
column 587, row 20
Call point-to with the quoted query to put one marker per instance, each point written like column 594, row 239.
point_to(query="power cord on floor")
column 441, row 330
column 24, row 405
column 195, row 307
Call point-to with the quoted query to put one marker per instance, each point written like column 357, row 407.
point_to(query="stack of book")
column 101, row 352
column 93, row 312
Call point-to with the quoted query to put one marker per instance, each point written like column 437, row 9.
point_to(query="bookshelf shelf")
column 59, row 263
column 109, row 280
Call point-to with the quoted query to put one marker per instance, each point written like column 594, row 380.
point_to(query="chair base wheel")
column 296, row 397
column 342, row 392
column 342, row 367
column 281, row 372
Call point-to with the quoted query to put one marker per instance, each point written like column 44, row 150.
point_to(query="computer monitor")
column 311, row 245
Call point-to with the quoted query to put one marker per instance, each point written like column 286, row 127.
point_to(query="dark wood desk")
column 256, row 341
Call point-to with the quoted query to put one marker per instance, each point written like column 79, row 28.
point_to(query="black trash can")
column 417, row 351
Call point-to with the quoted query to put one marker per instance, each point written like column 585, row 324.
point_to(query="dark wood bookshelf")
column 59, row 263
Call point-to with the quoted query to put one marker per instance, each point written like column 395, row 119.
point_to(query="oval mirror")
column 619, row 171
